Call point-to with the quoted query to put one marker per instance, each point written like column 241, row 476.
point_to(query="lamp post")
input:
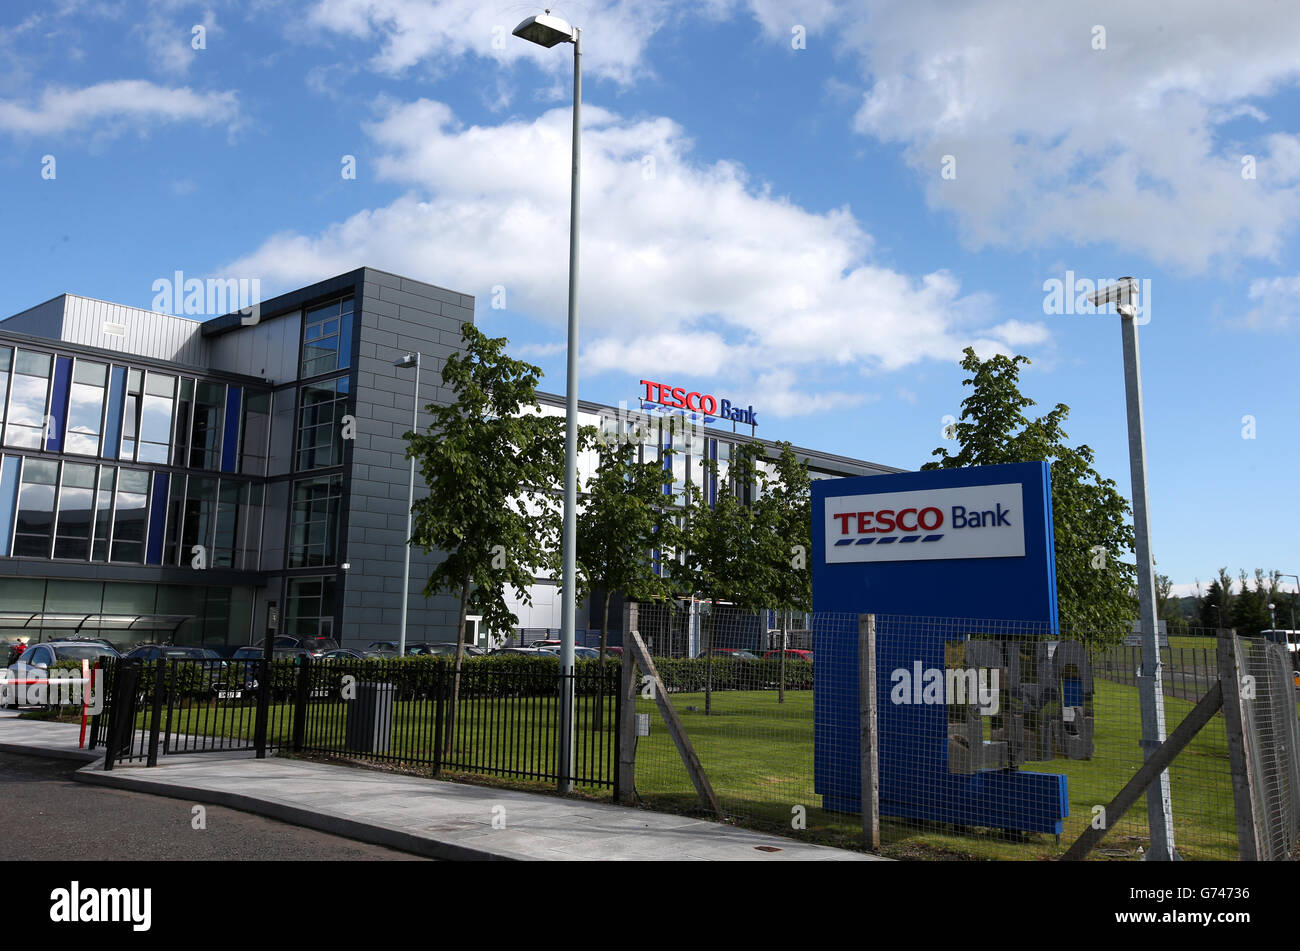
column 410, row 360
column 1151, row 695
column 548, row 31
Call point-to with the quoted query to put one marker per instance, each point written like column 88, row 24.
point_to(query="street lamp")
column 406, row 362
column 1151, row 696
column 548, row 31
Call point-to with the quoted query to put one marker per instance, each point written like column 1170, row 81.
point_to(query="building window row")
column 87, row 407
column 85, row 512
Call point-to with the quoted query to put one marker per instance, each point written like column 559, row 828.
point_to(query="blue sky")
column 810, row 206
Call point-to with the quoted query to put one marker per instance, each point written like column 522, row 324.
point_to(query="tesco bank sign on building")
column 983, row 521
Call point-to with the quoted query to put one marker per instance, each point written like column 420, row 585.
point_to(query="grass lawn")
column 759, row 758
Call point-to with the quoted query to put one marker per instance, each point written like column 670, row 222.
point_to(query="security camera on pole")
column 1123, row 294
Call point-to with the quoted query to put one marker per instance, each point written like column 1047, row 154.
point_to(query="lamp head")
column 407, row 361
column 545, row 30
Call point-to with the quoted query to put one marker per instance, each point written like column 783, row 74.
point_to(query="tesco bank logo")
column 981, row 521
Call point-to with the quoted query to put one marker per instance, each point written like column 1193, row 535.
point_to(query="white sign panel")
column 978, row 521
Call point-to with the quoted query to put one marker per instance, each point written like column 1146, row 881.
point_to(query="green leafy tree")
column 625, row 516
column 1095, row 585
column 1216, row 606
column 492, row 468
column 785, row 523
column 727, row 552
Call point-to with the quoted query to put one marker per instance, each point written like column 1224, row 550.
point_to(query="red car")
column 790, row 654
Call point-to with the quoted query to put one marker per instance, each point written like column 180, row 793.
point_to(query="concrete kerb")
column 370, row 832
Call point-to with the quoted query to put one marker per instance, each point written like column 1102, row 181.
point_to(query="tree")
column 1094, row 584
column 785, row 523
column 491, row 469
column 1216, row 608
column 727, row 555
column 624, row 517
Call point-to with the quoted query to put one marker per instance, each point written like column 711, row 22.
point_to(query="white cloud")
column 1276, row 304
column 686, row 267
column 1055, row 141
column 434, row 33
column 137, row 101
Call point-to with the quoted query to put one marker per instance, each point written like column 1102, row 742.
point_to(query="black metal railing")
column 503, row 721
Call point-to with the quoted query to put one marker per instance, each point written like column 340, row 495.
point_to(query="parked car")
column 545, row 644
column 734, row 653
column 170, row 651
column 441, row 649
column 790, row 654
column 39, row 658
column 343, row 653
column 523, row 651
column 579, row 653
column 316, row 646
column 383, row 646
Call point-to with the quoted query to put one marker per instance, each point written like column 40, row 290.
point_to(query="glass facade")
column 125, row 613
column 327, row 338
column 310, row 609
column 29, row 391
column 314, row 529
column 321, row 409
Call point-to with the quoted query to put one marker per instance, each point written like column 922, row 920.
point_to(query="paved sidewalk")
column 428, row 817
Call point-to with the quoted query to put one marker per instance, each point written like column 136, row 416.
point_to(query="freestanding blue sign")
column 953, row 544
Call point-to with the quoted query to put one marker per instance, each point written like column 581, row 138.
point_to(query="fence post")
column 263, row 701
column 439, row 701
column 870, row 795
column 1234, row 723
column 155, row 721
column 625, row 764
column 121, row 715
column 303, row 686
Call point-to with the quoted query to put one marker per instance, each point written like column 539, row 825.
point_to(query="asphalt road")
column 44, row 813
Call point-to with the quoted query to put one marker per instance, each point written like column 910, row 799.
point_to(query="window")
column 103, row 513
column 314, row 532
column 200, row 509
column 30, row 389
column 86, row 408
column 8, row 500
column 6, row 363
column 327, row 338
column 320, row 423
column 250, row 529
column 184, row 408
column 175, row 512
column 257, row 426
column 205, row 441
column 131, row 413
column 156, row 417
column 231, row 511
column 76, row 509
column 310, row 612
column 129, row 516
column 35, row 527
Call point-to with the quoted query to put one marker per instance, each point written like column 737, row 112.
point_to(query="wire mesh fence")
column 1273, row 749
column 995, row 739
